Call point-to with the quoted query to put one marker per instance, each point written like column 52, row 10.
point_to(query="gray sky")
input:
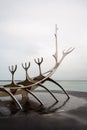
column 27, row 30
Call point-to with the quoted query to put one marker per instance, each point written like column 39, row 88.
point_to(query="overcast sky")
column 27, row 30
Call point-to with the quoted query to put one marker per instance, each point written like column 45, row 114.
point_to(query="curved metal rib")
column 13, row 97
column 49, row 92
column 33, row 96
column 59, row 86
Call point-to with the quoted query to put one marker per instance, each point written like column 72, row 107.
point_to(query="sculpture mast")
column 56, row 45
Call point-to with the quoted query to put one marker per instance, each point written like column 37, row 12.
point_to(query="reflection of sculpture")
column 29, row 84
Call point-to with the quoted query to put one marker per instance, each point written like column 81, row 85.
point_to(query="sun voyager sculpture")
column 29, row 84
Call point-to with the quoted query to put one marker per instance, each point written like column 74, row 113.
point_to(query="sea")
column 69, row 85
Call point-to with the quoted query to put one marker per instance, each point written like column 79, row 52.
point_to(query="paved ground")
column 65, row 115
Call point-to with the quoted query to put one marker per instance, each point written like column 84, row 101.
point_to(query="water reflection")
column 52, row 108
column 8, row 108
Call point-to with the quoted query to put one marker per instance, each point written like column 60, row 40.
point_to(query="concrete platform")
column 66, row 114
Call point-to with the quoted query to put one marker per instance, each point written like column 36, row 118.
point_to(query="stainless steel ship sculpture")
column 29, row 84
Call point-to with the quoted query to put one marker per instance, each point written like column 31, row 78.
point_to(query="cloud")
column 27, row 30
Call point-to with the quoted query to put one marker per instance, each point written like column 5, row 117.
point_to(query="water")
column 75, row 85
column 67, row 85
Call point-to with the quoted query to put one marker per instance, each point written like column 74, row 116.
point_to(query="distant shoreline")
column 72, row 80
column 7, row 80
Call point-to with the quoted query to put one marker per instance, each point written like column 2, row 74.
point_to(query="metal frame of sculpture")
column 30, row 84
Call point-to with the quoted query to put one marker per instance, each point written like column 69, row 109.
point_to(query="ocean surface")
column 80, row 85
